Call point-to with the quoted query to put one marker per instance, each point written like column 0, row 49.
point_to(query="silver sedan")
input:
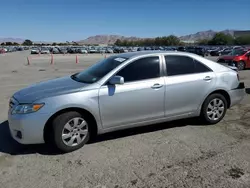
column 123, row 91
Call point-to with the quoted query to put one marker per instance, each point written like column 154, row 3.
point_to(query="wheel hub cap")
column 215, row 109
column 74, row 131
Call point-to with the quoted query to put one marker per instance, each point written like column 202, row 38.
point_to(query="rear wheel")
column 241, row 65
column 71, row 131
column 214, row 108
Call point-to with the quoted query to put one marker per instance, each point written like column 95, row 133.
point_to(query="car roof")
column 216, row 67
column 153, row 52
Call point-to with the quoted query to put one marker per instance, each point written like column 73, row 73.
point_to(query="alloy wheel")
column 215, row 109
column 74, row 131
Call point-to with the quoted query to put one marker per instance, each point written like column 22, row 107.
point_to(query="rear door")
column 187, row 83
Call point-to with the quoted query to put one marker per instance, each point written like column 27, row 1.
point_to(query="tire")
column 65, row 124
column 207, row 113
column 241, row 65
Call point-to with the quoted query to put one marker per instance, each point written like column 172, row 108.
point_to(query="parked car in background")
column 141, row 49
column 116, row 50
column 72, row 50
column 55, row 50
column 241, row 61
column 2, row 51
column 92, row 50
column 45, row 50
column 134, row 49
column 123, row 91
column 225, row 51
column 63, row 50
column 181, row 49
column 215, row 52
column 109, row 50
column 82, row 50
column 20, row 48
column 101, row 50
column 35, row 50
column 238, row 58
column 196, row 50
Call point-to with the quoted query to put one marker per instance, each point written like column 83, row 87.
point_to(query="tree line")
column 28, row 42
column 218, row 39
column 158, row 41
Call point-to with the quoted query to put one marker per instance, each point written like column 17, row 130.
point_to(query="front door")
column 140, row 98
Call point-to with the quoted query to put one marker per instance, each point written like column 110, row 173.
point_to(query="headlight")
column 26, row 108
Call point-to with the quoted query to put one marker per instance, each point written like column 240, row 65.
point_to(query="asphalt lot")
column 175, row 154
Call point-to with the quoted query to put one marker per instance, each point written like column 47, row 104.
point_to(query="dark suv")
column 196, row 50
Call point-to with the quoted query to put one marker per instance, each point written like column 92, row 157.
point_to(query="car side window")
column 200, row 67
column 141, row 69
column 181, row 65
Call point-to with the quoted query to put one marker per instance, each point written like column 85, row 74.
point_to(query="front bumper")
column 237, row 94
column 27, row 128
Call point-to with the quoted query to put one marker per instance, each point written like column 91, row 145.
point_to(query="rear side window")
column 181, row 65
column 200, row 67
column 141, row 69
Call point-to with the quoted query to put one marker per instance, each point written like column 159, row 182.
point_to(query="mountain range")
column 110, row 39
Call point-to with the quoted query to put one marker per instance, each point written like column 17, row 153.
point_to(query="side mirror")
column 116, row 80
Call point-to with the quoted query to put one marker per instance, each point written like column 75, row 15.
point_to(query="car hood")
column 48, row 88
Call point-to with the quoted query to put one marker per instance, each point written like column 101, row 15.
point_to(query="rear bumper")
column 237, row 94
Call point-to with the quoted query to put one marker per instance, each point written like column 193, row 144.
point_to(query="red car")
column 2, row 51
column 237, row 58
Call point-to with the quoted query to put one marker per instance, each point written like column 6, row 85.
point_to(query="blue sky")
column 61, row 20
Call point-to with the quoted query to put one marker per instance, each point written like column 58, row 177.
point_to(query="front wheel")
column 214, row 108
column 71, row 131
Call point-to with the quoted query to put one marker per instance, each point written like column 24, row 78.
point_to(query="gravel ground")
column 175, row 154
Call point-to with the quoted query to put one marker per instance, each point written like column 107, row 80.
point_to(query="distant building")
column 188, row 41
column 241, row 33
column 103, row 45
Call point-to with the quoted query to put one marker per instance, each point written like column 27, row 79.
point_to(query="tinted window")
column 181, row 65
column 141, row 69
column 178, row 65
column 199, row 67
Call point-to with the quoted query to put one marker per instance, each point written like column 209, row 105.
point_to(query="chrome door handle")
column 156, row 86
column 207, row 78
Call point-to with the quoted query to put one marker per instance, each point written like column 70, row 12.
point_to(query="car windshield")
column 237, row 52
column 99, row 70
